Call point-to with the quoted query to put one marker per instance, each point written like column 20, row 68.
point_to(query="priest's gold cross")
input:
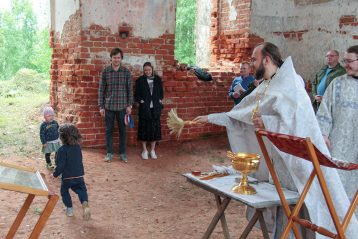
column 258, row 98
column 254, row 111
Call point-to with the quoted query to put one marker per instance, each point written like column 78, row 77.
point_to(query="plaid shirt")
column 115, row 89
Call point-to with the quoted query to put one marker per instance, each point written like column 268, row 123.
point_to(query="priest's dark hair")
column 69, row 134
column 273, row 52
column 353, row 49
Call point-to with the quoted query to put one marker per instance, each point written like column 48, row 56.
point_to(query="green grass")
column 19, row 124
column 21, row 115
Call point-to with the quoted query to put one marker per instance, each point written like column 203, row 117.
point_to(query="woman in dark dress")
column 149, row 95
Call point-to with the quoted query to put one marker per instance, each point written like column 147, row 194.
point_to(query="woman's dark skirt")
column 149, row 129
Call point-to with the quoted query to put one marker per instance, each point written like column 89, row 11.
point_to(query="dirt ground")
column 140, row 199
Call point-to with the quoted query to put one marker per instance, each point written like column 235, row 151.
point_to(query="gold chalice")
column 245, row 163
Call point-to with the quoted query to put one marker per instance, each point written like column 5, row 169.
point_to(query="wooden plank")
column 263, row 226
column 222, row 218
column 23, row 189
column 216, row 218
column 249, row 226
column 22, row 168
column 20, row 216
column 44, row 216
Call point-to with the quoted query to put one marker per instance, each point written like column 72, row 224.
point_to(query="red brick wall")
column 292, row 35
column 231, row 40
column 192, row 98
column 79, row 56
column 348, row 20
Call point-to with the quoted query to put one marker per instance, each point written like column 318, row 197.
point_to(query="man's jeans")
column 109, row 118
column 78, row 186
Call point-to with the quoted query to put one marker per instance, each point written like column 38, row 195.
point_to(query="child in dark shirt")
column 49, row 136
column 69, row 164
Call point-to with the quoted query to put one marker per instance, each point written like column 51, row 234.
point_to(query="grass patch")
column 19, row 123
column 20, row 113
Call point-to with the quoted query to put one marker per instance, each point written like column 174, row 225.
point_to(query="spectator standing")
column 115, row 99
column 325, row 75
column 149, row 96
column 241, row 83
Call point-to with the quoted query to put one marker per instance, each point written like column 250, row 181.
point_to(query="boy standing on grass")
column 69, row 164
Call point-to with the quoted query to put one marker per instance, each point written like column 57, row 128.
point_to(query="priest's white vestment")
column 286, row 108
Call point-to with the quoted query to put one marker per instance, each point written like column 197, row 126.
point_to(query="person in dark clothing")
column 49, row 136
column 149, row 95
column 69, row 164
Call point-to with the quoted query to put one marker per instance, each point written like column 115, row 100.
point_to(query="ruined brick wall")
column 81, row 51
column 231, row 38
column 65, row 68
column 83, row 33
column 304, row 29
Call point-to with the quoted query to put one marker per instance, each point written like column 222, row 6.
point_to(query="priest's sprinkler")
column 176, row 124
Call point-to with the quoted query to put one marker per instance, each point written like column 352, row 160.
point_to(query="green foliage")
column 184, row 33
column 24, row 82
column 22, row 45
column 42, row 51
column 24, row 85
column 19, row 123
column 21, row 99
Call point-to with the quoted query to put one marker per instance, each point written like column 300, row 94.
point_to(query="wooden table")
column 265, row 197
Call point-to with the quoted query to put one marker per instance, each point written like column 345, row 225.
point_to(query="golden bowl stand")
column 245, row 163
column 243, row 187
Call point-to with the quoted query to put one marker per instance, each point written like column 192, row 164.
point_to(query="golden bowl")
column 245, row 163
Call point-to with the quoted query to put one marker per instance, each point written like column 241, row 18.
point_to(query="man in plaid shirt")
column 115, row 98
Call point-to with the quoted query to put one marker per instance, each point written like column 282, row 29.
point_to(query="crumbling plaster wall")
column 230, row 37
column 306, row 29
column 61, row 11
column 145, row 19
column 202, row 32
column 149, row 19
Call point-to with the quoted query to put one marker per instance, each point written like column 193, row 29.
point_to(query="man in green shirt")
column 325, row 75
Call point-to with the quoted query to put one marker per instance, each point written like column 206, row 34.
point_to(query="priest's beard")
column 260, row 71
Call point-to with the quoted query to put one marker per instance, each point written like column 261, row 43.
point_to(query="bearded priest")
column 281, row 104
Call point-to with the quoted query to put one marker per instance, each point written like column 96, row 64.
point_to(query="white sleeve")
column 219, row 119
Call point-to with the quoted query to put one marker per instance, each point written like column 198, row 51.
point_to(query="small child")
column 49, row 136
column 69, row 164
